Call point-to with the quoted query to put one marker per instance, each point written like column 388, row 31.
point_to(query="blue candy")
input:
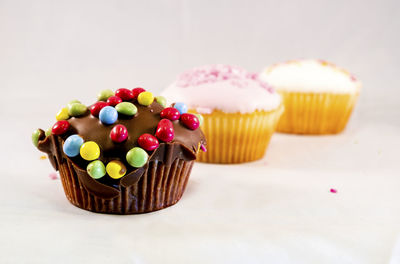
column 72, row 145
column 182, row 107
column 108, row 115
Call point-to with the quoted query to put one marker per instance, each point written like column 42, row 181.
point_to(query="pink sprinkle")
column 333, row 190
column 203, row 148
column 53, row 176
column 218, row 73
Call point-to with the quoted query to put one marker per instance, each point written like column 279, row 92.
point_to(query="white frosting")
column 231, row 93
column 310, row 76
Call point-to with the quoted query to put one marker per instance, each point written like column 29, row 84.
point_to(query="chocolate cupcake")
column 123, row 154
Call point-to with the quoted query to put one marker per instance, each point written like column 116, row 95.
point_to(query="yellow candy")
column 90, row 150
column 116, row 169
column 62, row 114
column 145, row 98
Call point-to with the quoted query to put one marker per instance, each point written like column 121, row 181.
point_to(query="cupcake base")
column 237, row 137
column 159, row 187
column 315, row 113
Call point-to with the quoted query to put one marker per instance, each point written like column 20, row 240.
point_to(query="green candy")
column 73, row 102
column 70, row 103
column 104, row 95
column 48, row 132
column 200, row 117
column 76, row 109
column 126, row 108
column 35, row 137
column 137, row 157
column 161, row 100
column 96, row 169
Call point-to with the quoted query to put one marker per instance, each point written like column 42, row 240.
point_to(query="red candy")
column 137, row 91
column 96, row 107
column 165, row 130
column 124, row 93
column 119, row 133
column 60, row 127
column 114, row 100
column 170, row 113
column 190, row 121
column 148, row 142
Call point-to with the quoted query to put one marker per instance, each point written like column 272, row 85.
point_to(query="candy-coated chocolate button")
column 104, row 95
column 35, row 137
column 76, row 109
column 182, row 107
column 73, row 102
column 62, row 114
column 170, row 113
column 108, row 115
column 96, row 107
column 90, row 150
column 126, row 108
column 200, row 117
column 148, row 142
column 137, row 157
column 116, row 169
column 96, row 169
column 145, row 98
column 48, row 132
column 124, row 93
column 72, row 145
column 119, row 133
column 137, row 91
column 161, row 100
column 60, row 127
column 165, row 130
column 190, row 121
column 114, row 100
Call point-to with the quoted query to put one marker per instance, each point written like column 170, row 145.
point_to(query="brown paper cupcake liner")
column 159, row 187
column 315, row 113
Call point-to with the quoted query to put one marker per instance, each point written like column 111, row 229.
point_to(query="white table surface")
column 279, row 209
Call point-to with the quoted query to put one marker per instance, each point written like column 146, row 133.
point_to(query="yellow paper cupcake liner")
column 315, row 113
column 236, row 137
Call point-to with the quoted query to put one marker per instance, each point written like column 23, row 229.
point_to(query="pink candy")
column 124, row 93
column 170, row 113
column 165, row 130
column 114, row 100
column 148, row 142
column 96, row 107
column 190, row 121
column 119, row 133
column 60, row 127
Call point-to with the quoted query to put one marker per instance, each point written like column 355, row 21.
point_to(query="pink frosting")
column 223, row 87
column 217, row 73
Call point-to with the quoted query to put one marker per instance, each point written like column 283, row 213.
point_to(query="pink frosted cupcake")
column 240, row 111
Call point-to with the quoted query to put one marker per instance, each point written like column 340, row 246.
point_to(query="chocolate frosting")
column 185, row 145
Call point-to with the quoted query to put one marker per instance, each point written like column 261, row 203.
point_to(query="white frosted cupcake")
column 319, row 97
column 240, row 111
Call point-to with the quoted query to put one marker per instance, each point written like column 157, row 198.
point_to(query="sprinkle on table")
column 333, row 190
column 53, row 176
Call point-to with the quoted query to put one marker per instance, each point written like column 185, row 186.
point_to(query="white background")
column 276, row 210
